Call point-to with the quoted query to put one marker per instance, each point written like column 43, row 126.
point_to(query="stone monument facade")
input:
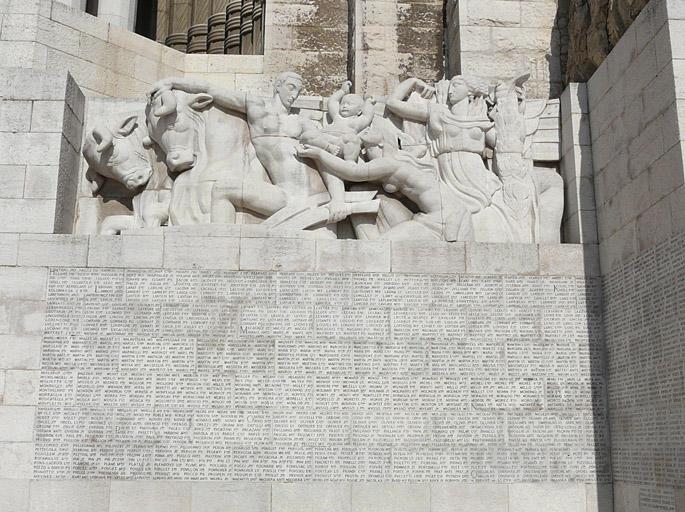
column 355, row 273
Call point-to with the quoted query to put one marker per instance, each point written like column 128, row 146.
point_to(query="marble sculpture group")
column 450, row 161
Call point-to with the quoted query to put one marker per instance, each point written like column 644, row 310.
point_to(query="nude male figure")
column 275, row 134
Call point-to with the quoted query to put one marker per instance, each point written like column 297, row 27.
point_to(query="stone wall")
column 636, row 116
column 500, row 38
column 35, row 269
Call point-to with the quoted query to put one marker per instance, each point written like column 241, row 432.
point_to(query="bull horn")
column 168, row 104
column 103, row 136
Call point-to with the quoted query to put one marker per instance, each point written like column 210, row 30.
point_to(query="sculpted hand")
column 307, row 151
column 337, row 211
column 346, row 86
column 424, row 90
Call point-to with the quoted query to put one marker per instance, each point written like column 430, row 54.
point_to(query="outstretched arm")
column 366, row 117
column 344, row 169
column 334, row 99
column 410, row 111
column 227, row 98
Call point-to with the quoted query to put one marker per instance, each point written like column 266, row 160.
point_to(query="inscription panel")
column 190, row 374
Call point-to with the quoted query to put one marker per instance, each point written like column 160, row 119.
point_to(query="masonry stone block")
column 15, row 116
column 23, row 283
column 311, row 496
column 569, row 259
column 474, row 497
column 390, row 497
column 53, row 250
column 150, row 496
column 41, row 182
column 280, row 254
column 231, row 497
column 352, row 255
column 428, row 257
column 19, row 352
column 21, row 387
column 12, row 184
column 654, row 225
column 126, row 251
column 599, row 497
column 14, row 495
column 69, row 496
column 201, row 252
column 9, row 246
column 16, row 460
column 501, row 258
column 16, row 423
column 548, row 497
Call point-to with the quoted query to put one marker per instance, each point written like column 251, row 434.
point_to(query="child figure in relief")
column 349, row 115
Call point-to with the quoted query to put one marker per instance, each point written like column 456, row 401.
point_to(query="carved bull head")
column 175, row 122
column 117, row 153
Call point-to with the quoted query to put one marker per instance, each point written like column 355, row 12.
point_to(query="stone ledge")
column 176, row 496
column 252, row 247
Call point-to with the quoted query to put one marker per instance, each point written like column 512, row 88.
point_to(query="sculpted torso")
column 275, row 136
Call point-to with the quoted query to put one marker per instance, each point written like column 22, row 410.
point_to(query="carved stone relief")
column 449, row 161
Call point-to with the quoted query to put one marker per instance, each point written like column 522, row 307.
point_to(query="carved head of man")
column 463, row 86
column 176, row 123
column 117, row 152
column 287, row 87
column 351, row 105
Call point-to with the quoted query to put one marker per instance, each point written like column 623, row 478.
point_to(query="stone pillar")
column 246, row 9
column 258, row 27
column 216, row 27
column 394, row 40
column 197, row 33
column 121, row 13
column 162, row 20
column 179, row 23
column 232, row 44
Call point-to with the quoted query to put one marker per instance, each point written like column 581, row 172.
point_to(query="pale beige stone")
column 201, row 252
column 23, row 283
column 126, row 251
column 21, row 352
column 41, row 182
column 16, row 460
column 231, row 497
column 13, row 177
column 9, row 247
column 277, row 254
column 15, row 116
column 53, row 250
column 428, row 257
column 547, row 497
column 311, row 497
column 352, row 256
column 14, row 495
column 47, row 116
column 390, row 497
column 21, row 387
column 626, row 497
column 501, row 259
column 69, row 496
column 472, row 497
column 600, row 497
column 569, row 260
column 150, row 496
column 16, row 423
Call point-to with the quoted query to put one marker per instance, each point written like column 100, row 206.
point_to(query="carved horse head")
column 175, row 122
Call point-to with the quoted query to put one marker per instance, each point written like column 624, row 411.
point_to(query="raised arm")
column 410, row 111
column 334, row 99
column 223, row 97
column 366, row 117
